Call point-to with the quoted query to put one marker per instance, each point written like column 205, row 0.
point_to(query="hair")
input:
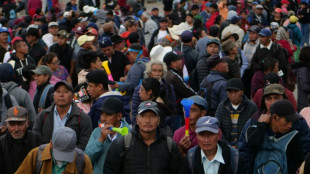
column 107, row 27
column 47, row 59
column 268, row 63
column 304, row 55
column 218, row 19
column 88, row 58
column 17, row 44
column 271, row 78
column 197, row 33
column 129, row 23
column 197, row 23
column 92, row 77
column 153, row 84
column 26, row 71
column 148, row 67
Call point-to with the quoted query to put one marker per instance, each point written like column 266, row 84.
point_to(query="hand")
column 93, row 47
column 184, row 143
column 104, row 132
column 40, row 109
column 114, row 86
column 122, row 79
column 264, row 118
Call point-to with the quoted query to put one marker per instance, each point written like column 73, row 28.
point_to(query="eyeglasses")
column 56, row 63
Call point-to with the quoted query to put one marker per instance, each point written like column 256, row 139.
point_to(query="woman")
column 278, row 17
column 59, row 71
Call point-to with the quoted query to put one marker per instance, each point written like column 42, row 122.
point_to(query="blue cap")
column 186, row 36
column 4, row 30
column 232, row 7
column 216, row 41
column 198, row 100
column 235, row 19
column 208, row 4
column 265, row 32
column 207, row 123
column 6, row 72
column 148, row 106
column 105, row 42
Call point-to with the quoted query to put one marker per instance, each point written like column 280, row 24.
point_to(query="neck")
column 192, row 127
column 210, row 154
column 252, row 41
column 267, row 43
column 273, row 128
column 4, row 45
column 20, row 56
column 62, row 111
column 148, row 138
column 232, row 56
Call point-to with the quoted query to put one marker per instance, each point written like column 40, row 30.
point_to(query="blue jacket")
column 134, row 76
column 264, row 21
column 97, row 151
column 95, row 113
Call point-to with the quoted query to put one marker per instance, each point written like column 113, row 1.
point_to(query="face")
column 194, row 114
column 108, row 118
column 271, row 98
column 133, row 28
column 212, row 49
column 144, row 94
column 63, row 96
column 156, row 71
column 281, row 124
column 120, row 46
column 234, row 50
column 54, row 64
column 264, row 40
column 97, row 64
column 94, row 90
column 30, row 39
column 155, row 12
column 17, row 128
column 73, row 2
column 189, row 19
column 148, row 121
column 277, row 15
column 259, row 11
column 239, row 4
column 243, row 15
column 40, row 79
column 23, row 48
column 203, row 33
column 108, row 51
column 253, row 36
column 178, row 64
column 4, row 37
column 53, row 30
column 276, row 68
column 222, row 67
column 212, row 10
column 207, row 141
column 163, row 25
column 194, row 12
column 87, row 44
column 61, row 40
column 235, row 96
column 132, row 57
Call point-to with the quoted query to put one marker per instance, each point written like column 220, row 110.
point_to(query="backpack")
column 234, row 159
column 128, row 137
column 43, row 96
column 79, row 160
column 271, row 157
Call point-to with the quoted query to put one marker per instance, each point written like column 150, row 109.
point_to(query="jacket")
column 95, row 113
column 12, row 152
column 37, row 51
column 302, row 72
column 191, row 56
column 23, row 99
column 3, row 107
column 219, row 88
column 297, row 35
column 38, row 94
column 247, row 108
column 97, row 151
column 77, row 120
column 263, row 20
column 141, row 158
column 149, row 28
column 211, row 20
column 29, row 164
column 202, row 68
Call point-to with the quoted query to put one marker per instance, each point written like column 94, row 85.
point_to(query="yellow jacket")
column 29, row 164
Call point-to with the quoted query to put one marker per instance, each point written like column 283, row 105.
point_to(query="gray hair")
column 148, row 68
column 146, row 14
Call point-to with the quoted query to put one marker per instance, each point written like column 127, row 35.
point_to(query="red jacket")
column 211, row 20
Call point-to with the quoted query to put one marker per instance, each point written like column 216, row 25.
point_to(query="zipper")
column 148, row 160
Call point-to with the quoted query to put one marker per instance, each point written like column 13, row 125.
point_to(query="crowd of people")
column 73, row 76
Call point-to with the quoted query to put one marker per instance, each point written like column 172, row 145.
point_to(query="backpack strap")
column 234, row 159
column 190, row 159
column 127, row 141
column 38, row 160
column 169, row 143
column 80, row 158
column 43, row 96
column 8, row 101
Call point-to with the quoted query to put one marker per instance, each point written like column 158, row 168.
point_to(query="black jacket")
column 64, row 54
column 141, row 158
column 13, row 152
column 37, row 51
column 38, row 94
column 191, row 56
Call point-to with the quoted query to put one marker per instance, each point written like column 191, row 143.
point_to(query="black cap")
column 212, row 61
column 172, row 56
column 112, row 105
column 234, row 84
column 284, row 108
column 65, row 83
column 255, row 28
column 103, row 77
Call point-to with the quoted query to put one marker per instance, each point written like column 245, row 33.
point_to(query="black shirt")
column 117, row 65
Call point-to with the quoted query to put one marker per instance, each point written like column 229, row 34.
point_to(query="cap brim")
column 293, row 117
column 233, row 88
column 209, row 129
column 64, row 156
column 148, row 109
column 36, row 72
column 16, row 119
column 63, row 83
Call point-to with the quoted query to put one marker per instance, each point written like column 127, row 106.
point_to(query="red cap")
column 16, row 39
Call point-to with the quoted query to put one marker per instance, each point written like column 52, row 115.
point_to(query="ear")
column 204, row 112
column 119, row 116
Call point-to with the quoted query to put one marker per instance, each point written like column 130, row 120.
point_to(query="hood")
column 9, row 86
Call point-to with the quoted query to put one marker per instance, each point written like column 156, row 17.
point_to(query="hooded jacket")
column 297, row 34
column 191, row 56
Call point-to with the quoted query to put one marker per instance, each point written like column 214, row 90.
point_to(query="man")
column 64, row 51
column 155, row 15
column 63, row 113
column 206, row 13
column 43, row 93
column 250, row 45
column 235, row 27
column 275, row 138
column 58, row 156
column 149, row 27
column 135, row 73
column 211, row 155
column 86, row 44
column 4, row 44
column 102, row 137
column 146, row 149
column 118, row 43
column 51, row 37
column 23, row 98
column 174, row 63
column 160, row 33
column 18, row 140
column 213, row 9
column 215, row 83
column 20, row 59
column 191, row 56
column 234, row 111
column 258, row 15
column 99, row 92
column 36, row 45
column 197, row 110
column 230, row 49
column 119, row 64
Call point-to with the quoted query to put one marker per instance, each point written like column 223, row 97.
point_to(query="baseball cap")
column 284, row 108
column 274, row 89
column 79, row 30
column 65, row 83
column 216, row 41
column 84, row 38
column 255, row 28
column 278, row 10
column 17, row 113
column 64, row 142
column 43, row 69
column 228, row 45
column 213, row 60
column 116, row 39
column 265, row 32
column 52, row 24
column 234, row 84
column 4, row 30
column 6, row 72
column 186, row 36
column 105, row 42
column 154, row 8
column 32, row 31
column 163, row 19
column 92, row 76
column 148, row 106
column 62, row 33
column 112, row 105
column 259, row 6
column 92, row 31
column 293, row 19
column 235, row 19
column 232, row 8
column 172, row 56
column 208, row 4
column 207, row 123
column 198, row 100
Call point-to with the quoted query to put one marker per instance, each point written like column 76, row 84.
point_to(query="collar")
column 218, row 156
column 268, row 47
column 113, row 138
column 68, row 112
column 110, row 93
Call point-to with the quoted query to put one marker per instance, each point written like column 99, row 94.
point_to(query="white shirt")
column 48, row 39
column 161, row 34
column 212, row 167
column 268, row 47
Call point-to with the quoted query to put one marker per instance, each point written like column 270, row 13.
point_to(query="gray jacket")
column 79, row 121
column 4, row 110
column 23, row 99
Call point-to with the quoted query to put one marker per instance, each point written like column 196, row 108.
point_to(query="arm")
column 88, row 167
column 135, row 103
column 303, row 79
column 85, row 131
column 94, row 147
column 245, row 63
column 182, row 88
column 255, row 135
column 28, row 165
column 133, row 78
column 294, row 153
column 30, row 108
column 38, row 124
column 222, row 90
